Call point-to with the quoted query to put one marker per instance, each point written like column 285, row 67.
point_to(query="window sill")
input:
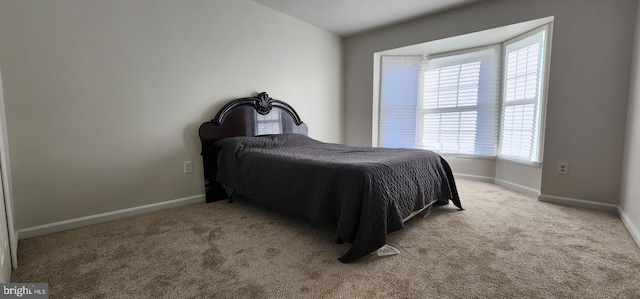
column 494, row 158
column 468, row 156
column 520, row 162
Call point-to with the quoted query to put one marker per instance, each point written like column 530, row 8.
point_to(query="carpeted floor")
column 504, row 245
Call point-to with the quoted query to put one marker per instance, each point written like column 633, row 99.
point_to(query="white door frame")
column 6, row 181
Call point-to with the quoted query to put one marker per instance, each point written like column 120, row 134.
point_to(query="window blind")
column 458, row 102
column 523, row 73
column 398, row 101
column 474, row 102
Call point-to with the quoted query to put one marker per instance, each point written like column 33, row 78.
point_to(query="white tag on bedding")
column 386, row 250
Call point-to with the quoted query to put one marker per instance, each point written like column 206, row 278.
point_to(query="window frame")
column 542, row 101
column 489, row 37
column 482, row 108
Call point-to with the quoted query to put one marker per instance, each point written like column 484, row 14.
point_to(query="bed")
column 257, row 148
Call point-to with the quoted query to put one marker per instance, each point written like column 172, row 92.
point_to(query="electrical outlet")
column 188, row 167
column 563, row 167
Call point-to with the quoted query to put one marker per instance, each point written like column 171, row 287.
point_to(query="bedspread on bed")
column 365, row 191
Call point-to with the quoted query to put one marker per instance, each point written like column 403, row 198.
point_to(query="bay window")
column 484, row 101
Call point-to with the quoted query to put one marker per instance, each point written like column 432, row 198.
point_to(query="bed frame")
column 243, row 117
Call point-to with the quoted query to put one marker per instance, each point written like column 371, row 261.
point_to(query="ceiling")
column 350, row 17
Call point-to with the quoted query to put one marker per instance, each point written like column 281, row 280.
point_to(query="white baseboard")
column 578, row 203
column 474, row 177
column 634, row 231
column 503, row 183
column 518, row 188
column 104, row 217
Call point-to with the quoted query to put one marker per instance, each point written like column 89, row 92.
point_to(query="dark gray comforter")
column 366, row 192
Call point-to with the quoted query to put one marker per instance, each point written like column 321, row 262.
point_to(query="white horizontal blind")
column 524, row 65
column 458, row 103
column 398, row 101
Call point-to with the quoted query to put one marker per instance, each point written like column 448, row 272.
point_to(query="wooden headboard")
column 251, row 116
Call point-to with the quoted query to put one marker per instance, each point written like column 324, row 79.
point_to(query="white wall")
column 104, row 98
column 630, row 193
column 587, row 96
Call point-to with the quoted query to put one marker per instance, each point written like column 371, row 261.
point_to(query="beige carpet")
column 504, row 245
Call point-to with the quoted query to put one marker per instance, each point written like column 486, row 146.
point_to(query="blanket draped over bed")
column 366, row 192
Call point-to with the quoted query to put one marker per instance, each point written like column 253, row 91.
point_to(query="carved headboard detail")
column 262, row 103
